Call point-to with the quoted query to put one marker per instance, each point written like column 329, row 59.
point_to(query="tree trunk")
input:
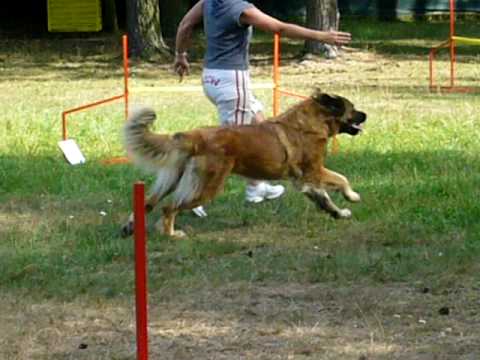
column 387, row 9
column 110, row 22
column 144, row 29
column 322, row 15
column 172, row 13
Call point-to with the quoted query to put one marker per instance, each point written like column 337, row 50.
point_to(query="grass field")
column 277, row 280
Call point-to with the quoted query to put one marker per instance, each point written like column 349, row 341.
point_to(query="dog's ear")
column 334, row 104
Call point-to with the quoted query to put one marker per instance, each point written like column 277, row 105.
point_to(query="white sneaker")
column 256, row 194
column 199, row 211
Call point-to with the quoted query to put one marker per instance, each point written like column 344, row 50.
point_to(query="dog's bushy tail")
column 149, row 150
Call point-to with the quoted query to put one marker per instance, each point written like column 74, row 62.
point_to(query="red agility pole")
column 451, row 44
column 140, row 270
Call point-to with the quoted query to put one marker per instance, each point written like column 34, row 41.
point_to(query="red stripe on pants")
column 244, row 83
column 238, row 97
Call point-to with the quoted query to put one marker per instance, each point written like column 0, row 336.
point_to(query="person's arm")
column 184, row 38
column 258, row 19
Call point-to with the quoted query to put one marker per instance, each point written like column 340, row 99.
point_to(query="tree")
column 387, row 9
column 144, row 29
column 420, row 9
column 172, row 13
column 322, row 15
column 110, row 22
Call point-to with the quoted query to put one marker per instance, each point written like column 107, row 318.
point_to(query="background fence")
column 404, row 7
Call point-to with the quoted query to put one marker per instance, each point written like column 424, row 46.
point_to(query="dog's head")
column 346, row 118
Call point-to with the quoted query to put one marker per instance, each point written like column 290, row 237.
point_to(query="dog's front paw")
column 344, row 214
column 159, row 226
column 352, row 196
column 127, row 229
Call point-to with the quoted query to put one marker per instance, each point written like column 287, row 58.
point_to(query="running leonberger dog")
column 192, row 166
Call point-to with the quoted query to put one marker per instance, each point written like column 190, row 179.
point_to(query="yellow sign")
column 74, row 15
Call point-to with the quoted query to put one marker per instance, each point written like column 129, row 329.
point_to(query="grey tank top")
column 227, row 39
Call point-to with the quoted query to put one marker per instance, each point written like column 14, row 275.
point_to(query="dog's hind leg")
column 202, row 180
column 150, row 203
column 164, row 184
column 337, row 182
column 321, row 198
column 167, row 223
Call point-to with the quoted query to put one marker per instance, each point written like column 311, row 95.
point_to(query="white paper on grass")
column 71, row 151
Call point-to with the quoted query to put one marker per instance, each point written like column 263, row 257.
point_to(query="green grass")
column 417, row 167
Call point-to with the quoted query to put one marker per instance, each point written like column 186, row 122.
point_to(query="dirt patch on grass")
column 245, row 321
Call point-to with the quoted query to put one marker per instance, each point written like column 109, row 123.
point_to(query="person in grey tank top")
column 227, row 27
column 227, row 38
column 226, row 81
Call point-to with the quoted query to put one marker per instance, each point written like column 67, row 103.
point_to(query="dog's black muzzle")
column 354, row 125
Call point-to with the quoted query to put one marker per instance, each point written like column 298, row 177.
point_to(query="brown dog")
column 193, row 165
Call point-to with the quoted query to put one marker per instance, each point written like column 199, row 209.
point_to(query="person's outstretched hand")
column 336, row 38
column 181, row 65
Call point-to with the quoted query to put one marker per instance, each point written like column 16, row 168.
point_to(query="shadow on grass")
column 418, row 187
column 429, row 174
column 413, row 203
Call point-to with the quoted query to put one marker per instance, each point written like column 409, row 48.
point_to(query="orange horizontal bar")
column 289, row 93
column 116, row 160
column 456, row 89
column 83, row 107
column 442, row 45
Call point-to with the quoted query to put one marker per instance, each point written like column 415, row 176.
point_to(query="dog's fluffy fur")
column 193, row 165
